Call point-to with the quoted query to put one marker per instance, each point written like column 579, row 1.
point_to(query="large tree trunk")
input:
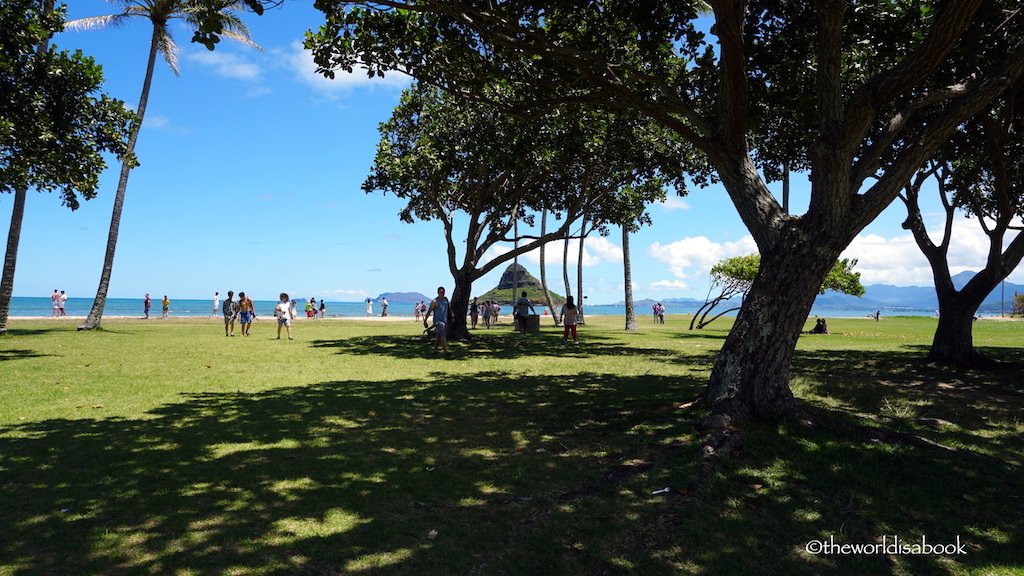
column 750, row 379
column 11, row 257
column 92, row 321
column 953, row 342
column 627, row 271
column 459, row 301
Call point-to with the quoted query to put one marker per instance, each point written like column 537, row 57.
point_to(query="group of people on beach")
column 165, row 306
column 59, row 299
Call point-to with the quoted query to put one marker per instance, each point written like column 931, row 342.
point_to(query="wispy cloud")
column 300, row 61
column 226, row 64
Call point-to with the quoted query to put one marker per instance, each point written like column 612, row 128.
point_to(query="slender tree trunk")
column 627, row 270
column 565, row 264
column 95, row 316
column 579, row 275
column 543, row 268
column 11, row 257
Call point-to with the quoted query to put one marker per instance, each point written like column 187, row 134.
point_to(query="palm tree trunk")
column 96, row 314
column 565, row 263
column 627, row 270
column 543, row 273
column 579, row 274
column 11, row 258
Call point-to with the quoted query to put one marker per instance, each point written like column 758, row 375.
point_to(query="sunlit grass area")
column 163, row 447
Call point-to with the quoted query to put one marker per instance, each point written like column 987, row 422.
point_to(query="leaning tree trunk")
column 11, row 258
column 627, row 270
column 92, row 321
column 750, row 378
column 543, row 273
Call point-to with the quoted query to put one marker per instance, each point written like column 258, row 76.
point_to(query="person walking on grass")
column 246, row 312
column 230, row 310
column 283, row 314
column 441, row 310
column 523, row 309
column 569, row 320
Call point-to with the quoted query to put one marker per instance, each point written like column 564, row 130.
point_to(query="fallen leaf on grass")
column 432, row 534
column 970, row 498
column 98, row 406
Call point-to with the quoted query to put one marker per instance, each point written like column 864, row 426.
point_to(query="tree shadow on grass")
column 504, row 347
column 900, row 390
column 517, row 475
column 19, row 354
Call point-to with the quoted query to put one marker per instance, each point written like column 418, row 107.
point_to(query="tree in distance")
column 734, row 276
column 980, row 172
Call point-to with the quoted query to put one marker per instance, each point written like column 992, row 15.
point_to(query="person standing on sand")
column 166, row 308
column 230, row 309
column 369, row 307
column 216, row 303
column 384, row 307
column 55, row 303
column 63, row 302
column 246, row 312
column 323, row 308
column 284, row 316
column 148, row 304
column 442, row 313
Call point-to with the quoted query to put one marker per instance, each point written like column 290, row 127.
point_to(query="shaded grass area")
column 169, row 449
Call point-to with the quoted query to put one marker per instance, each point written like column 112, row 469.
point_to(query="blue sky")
column 250, row 176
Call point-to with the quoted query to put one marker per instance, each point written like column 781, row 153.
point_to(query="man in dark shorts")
column 442, row 316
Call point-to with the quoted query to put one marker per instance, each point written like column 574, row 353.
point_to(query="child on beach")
column 284, row 316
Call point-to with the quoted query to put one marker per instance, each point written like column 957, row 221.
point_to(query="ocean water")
column 40, row 306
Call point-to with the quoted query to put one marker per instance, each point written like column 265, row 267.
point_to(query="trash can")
column 532, row 322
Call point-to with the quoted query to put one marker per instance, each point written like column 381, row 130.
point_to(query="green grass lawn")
column 162, row 447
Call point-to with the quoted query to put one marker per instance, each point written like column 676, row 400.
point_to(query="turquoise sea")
column 34, row 306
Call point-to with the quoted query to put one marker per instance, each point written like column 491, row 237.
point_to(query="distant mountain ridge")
column 876, row 296
column 404, row 297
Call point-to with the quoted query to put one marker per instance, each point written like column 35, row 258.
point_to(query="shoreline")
column 399, row 318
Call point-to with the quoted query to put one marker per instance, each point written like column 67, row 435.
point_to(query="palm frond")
column 169, row 48
column 98, row 22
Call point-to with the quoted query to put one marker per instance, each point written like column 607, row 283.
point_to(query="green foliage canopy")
column 54, row 125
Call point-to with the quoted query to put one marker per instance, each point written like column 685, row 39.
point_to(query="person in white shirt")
column 283, row 313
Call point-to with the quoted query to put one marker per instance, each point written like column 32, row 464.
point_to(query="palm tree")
column 159, row 13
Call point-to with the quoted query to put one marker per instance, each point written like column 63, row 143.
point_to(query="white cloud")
column 694, row 257
column 669, row 285
column 362, row 293
column 300, row 61
column 899, row 261
column 673, row 202
column 226, row 64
